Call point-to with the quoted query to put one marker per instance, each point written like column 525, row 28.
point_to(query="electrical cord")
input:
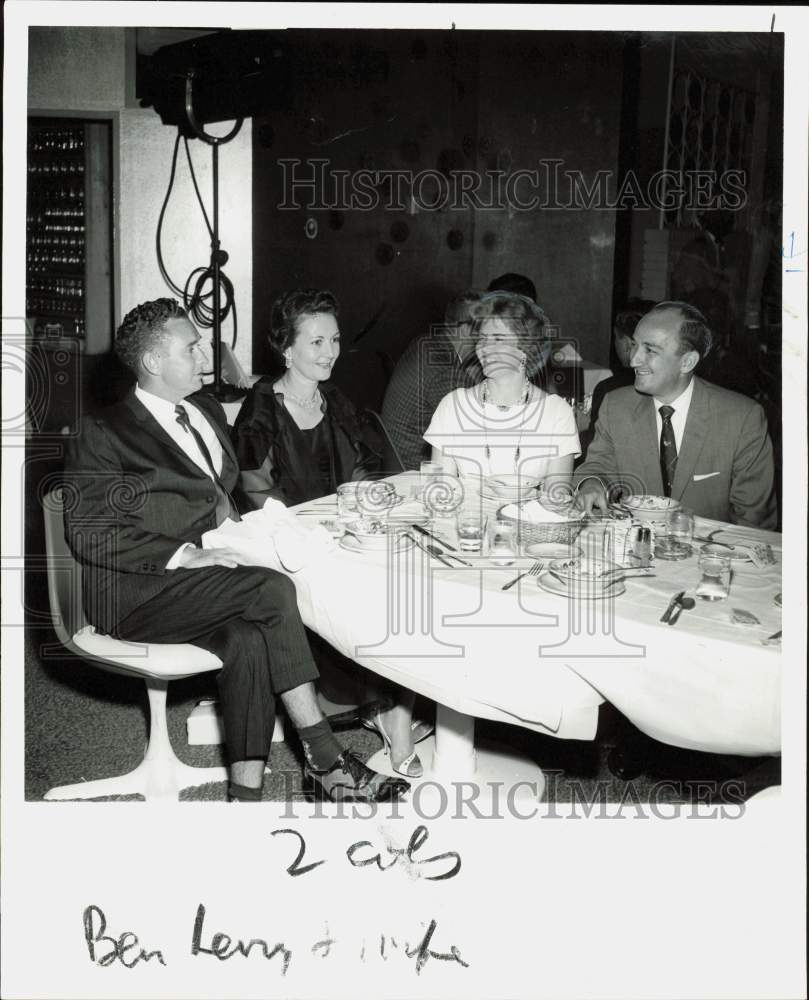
column 195, row 299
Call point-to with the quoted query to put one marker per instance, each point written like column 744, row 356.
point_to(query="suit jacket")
column 725, row 462
column 133, row 497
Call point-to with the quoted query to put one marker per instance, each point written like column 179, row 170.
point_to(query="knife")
column 672, row 604
column 429, row 534
column 439, row 558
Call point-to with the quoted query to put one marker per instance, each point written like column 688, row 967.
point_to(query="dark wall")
column 442, row 102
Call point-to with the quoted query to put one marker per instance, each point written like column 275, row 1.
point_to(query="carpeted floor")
column 83, row 723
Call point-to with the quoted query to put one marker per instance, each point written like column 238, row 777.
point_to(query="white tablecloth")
column 543, row 661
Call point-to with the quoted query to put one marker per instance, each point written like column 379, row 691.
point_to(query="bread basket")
column 563, row 525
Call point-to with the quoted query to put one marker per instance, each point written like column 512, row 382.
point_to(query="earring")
column 523, row 363
column 288, row 361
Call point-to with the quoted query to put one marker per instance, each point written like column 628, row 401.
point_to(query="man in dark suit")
column 145, row 480
column 677, row 435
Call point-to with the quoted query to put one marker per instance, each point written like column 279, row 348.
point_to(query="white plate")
column 552, row 550
column 555, row 586
column 489, row 494
column 351, row 544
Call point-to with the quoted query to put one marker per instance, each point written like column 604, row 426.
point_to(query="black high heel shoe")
column 349, row 780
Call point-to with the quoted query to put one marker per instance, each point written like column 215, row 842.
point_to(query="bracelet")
column 581, row 481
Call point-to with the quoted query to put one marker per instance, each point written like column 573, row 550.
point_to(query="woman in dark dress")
column 297, row 438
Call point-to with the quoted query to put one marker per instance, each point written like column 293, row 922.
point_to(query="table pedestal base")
column 487, row 778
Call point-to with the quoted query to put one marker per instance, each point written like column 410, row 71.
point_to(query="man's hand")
column 193, row 558
column 592, row 496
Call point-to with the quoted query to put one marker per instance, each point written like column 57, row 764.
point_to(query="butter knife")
column 439, row 558
column 672, row 604
column 429, row 534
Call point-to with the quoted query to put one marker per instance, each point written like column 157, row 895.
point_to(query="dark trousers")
column 248, row 616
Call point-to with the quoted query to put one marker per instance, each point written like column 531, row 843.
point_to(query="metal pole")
column 217, row 321
column 218, row 256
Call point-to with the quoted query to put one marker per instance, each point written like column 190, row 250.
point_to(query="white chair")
column 161, row 775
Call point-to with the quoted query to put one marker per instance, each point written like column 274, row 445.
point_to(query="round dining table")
column 534, row 655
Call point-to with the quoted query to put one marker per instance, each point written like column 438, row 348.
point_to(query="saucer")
column 555, row 586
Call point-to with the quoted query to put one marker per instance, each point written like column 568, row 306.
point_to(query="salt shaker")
column 642, row 545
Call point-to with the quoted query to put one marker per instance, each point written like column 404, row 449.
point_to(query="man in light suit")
column 677, row 435
column 144, row 481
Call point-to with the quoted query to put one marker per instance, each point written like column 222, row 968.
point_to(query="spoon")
column 686, row 604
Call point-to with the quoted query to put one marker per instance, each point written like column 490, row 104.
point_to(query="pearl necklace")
column 505, row 406
column 305, row 404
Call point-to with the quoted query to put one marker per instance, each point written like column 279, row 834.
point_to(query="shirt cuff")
column 174, row 562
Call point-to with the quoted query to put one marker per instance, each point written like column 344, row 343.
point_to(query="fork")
column 534, row 570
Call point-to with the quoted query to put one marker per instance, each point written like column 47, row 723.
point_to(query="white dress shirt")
column 678, row 418
column 164, row 413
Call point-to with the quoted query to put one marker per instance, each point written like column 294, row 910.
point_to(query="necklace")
column 505, row 406
column 305, row 404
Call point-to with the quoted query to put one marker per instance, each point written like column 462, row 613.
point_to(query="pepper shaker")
column 642, row 546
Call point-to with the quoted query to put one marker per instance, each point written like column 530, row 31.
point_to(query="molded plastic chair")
column 161, row 775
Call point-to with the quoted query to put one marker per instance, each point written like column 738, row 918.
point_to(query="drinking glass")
column 674, row 542
column 715, row 582
column 503, row 546
column 430, row 472
column 441, row 491
column 471, row 525
column 347, row 502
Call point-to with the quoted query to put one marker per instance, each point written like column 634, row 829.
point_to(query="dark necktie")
column 668, row 449
column 225, row 507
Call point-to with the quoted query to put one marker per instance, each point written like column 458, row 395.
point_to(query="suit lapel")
column 645, row 434
column 694, row 435
column 150, row 426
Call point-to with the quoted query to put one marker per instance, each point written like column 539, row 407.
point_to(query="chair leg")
column 160, row 776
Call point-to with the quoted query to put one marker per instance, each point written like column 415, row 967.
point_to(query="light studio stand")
column 224, row 392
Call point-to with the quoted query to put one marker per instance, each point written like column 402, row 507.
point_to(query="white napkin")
column 271, row 536
column 535, row 512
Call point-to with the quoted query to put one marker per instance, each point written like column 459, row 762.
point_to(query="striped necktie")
column 225, row 506
column 668, row 449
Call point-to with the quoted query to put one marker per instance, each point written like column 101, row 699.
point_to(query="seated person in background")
column 506, row 424
column 147, row 478
column 430, row 367
column 676, row 435
column 517, row 283
column 298, row 437
column 622, row 329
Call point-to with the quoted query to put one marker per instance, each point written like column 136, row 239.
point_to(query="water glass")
column 715, row 582
column 471, row 525
column 503, row 546
column 680, row 525
column 674, row 542
column 347, row 502
column 430, row 472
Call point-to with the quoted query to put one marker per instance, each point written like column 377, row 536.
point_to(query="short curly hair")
column 292, row 306
column 523, row 317
column 143, row 328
